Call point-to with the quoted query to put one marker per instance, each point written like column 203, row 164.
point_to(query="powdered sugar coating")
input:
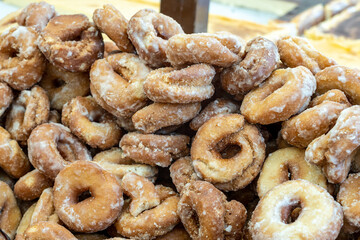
column 6, row 97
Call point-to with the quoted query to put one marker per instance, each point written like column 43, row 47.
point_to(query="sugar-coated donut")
column 21, row 62
column 320, row 218
column 96, row 212
column 6, row 97
column 285, row 93
column 149, row 31
column 47, row 231
column 71, row 42
column 51, row 147
column 182, row 172
column 280, row 163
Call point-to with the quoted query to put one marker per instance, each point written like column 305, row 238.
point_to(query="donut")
column 111, row 22
column 154, row 150
column 315, row 121
column 96, row 212
column 6, row 97
column 320, row 218
column 21, row 62
column 30, row 109
column 206, row 214
column 161, row 115
column 117, row 83
column 44, row 209
column 116, row 162
column 91, row 123
column 287, row 164
column 216, row 107
column 333, row 95
column 36, row 15
column 340, row 77
column 62, row 86
column 31, row 185
column 297, row 51
column 187, row 85
column 10, row 214
column 47, row 231
column 71, row 42
column 349, row 200
column 51, row 147
column 182, row 172
column 12, row 158
column 151, row 222
column 285, row 93
column 261, row 59
column 231, row 172
column 333, row 151
column 149, row 31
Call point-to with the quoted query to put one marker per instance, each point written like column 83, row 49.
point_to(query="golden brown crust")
column 206, row 214
column 182, row 172
column 111, row 22
column 6, row 97
column 219, row 49
column 31, row 185
column 95, row 213
column 48, row 231
column 30, row 109
column 10, row 213
column 58, row 42
column 89, row 122
column 36, row 15
column 178, row 233
column 149, row 31
column 296, row 51
column 154, row 149
column 12, row 158
column 216, row 107
column 117, row 83
column 261, row 58
column 161, row 115
column 62, row 86
column 187, row 85
column 51, row 147
column 340, row 77
column 21, row 62
column 285, row 93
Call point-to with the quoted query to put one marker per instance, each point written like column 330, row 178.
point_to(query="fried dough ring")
column 216, row 107
column 285, row 93
column 12, row 158
column 91, row 123
column 187, row 85
column 261, row 58
column 111, row 22
column 154, row 149
column 36, row 15
column 315, row 121
column 280, row 163
column 152, row 222
column 161, row 115
column 48, row 231
column 149, row 31
column 334, row 150
column 234, row 172
column 30, row 109
column 58, row 42
column 182, row 172
column 117, row 83
column 21, row 62
column 6, row 97
column 217, row 218
column 339, row 77
column 62, row 86
column 95, row 213
column 320, row 217
column 31, row 185
column 51, row 147
column 297, row 51
column 219, row 49
column 10, row 214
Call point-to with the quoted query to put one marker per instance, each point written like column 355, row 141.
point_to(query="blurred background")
column 332, row 26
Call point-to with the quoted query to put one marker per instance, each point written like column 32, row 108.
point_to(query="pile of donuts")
column 158, row 134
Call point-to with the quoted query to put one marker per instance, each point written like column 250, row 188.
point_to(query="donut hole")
column 83, row 195
column 13, row 52
column 230, row 151
column 290, row 213
column 57, row 83
column 65, row 150
column 95, row 116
